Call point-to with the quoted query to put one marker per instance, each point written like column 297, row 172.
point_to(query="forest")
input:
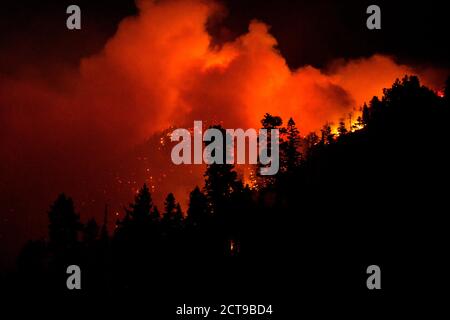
column 375, row 192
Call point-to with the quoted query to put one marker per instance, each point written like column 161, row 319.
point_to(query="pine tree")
column 170, row 206
column 374, row 110
column 326, row 135
column 291, row 147
column 220, row 181
column 64, row 223
column 155, row 215
column 140, row 210
column 310, row 142
column 137, row 224
column 197, row 213
column 172, row 211
column 341, row 128
column 365, row 115
column 269, row 122
column 178, row 217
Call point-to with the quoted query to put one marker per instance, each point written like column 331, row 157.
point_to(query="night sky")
column 412, row 32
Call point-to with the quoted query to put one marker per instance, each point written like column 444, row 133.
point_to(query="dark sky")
column 414, row 32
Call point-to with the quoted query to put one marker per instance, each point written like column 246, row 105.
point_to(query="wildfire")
column 249, row 177
column 220, row 58
column 356, row 126
column 159, row 70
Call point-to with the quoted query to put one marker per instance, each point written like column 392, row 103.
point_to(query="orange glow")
column 163, row 62
column 158, row 71
column 248, row 176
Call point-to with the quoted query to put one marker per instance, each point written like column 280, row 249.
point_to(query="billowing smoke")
column 78, row 133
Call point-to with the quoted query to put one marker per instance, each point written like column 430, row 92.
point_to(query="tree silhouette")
column 178, row 214
column 169, row 206
column 326, row 135
column 173, row 215
column 268, row 122
column 290, row 148
column 342, row 130
column 197, row 213
column 365, row 114
column 220, row 181
column 271, row 122
column 140, row 210
column 155, row 215
column 382, row 178
column 374, row 111
column 310, row 142
column 64, row 224
column 136, row 240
